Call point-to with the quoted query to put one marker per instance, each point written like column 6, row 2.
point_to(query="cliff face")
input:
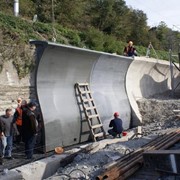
column 9, row 76
column 12, row 86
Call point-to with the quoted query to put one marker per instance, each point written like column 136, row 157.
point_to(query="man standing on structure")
column 116, row 125
column 130, row 50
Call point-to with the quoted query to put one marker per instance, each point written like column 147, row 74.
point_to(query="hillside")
column 15, row 33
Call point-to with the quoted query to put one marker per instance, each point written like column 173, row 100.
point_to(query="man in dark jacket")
column 116, row 125
column 29, row 129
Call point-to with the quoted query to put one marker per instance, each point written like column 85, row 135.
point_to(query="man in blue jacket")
column 116, row 125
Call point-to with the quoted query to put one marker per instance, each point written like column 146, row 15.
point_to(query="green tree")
column 138, row 26
column 70, row 12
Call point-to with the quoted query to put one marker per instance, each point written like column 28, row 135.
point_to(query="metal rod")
column 127, row 166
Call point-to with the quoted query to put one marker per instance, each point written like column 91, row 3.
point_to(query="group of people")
column 21, row 126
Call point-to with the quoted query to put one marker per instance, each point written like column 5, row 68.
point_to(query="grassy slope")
column 16, row 32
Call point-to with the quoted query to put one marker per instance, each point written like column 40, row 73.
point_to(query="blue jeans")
column 29, row 145
column 7, row 143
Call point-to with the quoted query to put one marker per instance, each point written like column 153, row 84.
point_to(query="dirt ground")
column 157, row 116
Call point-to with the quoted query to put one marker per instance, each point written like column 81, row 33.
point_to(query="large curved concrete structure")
column 59, row 68
column 116, row 82
column 147, row 77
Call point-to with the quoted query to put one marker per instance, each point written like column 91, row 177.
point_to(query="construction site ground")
column 158, row 118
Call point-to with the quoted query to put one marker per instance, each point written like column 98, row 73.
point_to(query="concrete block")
column 36, row 170
column 11, row 175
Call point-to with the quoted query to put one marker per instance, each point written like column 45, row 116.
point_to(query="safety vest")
column 19, row 118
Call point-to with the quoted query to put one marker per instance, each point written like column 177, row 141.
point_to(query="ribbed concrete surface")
column 60, row 67
column 145, row 78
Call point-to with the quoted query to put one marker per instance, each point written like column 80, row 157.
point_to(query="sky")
column 159, row 10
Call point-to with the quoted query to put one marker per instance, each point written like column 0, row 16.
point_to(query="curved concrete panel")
column 59, row 68
column 107, row 84
column 145, row 78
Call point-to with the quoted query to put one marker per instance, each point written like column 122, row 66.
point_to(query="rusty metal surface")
column 128, row 165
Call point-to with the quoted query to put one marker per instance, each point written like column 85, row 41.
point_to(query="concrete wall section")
column 147, row 77
column 60, row 67
column 108, row 87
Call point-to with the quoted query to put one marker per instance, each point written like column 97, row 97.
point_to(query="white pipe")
column 16, row 7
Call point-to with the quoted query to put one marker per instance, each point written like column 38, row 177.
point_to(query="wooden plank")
column 96, row 126
column 99, row 134
column 93, row 116
column 67, row 160
column 90, row 108
column 82, row 84
column 85, row 92
column 87, row 100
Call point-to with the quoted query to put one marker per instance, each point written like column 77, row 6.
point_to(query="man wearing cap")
column 116, row 125
column 29, row 129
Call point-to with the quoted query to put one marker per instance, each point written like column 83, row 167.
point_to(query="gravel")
column 157, row 117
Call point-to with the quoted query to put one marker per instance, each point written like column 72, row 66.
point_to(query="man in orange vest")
column 130, row 50
column 18, row 120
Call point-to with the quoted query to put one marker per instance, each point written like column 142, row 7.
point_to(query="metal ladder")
column 90, row 111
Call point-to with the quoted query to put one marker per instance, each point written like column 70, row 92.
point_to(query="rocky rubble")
column 157, row 117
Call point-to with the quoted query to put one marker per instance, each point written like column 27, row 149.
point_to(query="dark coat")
column 116, row 124
column 29, row 123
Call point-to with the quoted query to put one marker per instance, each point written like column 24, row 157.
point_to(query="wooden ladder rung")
column 99, row 134
column 93, row 116
column 96, row 126
column 90, row 108
column 87, row 100
column 82, row 84
column 85, row 92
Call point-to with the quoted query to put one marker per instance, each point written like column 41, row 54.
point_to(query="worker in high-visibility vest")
column 18, row 120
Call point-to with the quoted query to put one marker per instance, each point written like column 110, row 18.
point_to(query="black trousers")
column 29, row 145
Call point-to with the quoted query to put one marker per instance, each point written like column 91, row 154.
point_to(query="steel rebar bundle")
column 130, row 163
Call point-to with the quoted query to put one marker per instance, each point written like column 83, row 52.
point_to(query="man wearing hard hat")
column 116, row 125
